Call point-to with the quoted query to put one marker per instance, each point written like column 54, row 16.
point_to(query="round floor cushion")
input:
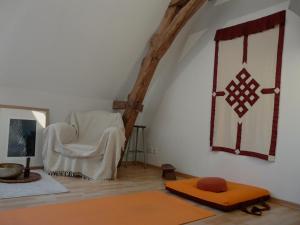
column 213, row 184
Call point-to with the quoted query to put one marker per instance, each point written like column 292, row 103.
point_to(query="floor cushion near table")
column 237, row 196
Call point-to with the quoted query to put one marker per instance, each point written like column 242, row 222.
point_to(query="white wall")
column 181, row 124
column 60, row 105
column 74, row 47
column 72, row 55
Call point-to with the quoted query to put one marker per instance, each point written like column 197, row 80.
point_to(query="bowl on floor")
column 10, row 170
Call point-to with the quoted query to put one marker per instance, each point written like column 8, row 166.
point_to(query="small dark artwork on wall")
column 22, row 135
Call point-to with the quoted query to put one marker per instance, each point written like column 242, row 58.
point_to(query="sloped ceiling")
column 295, row 6
column 74, row 47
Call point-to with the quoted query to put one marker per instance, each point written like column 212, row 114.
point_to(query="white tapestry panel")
column 246, row 87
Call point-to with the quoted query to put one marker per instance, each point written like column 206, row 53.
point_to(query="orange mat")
column 145, row 208
column 237, row 195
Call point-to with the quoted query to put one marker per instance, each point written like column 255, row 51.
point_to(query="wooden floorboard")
column 135, row 178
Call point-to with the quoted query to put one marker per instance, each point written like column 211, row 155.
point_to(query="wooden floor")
column 135, row 179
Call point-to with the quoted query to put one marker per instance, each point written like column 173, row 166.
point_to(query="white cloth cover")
column 89, row 144
column 246, row 89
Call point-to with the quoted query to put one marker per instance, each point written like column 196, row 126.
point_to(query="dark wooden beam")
column 120, row 105
column 178, row 3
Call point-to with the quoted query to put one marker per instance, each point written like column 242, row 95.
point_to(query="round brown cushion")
column 213, row 184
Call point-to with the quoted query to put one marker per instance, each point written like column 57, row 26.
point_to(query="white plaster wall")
column 59, row 105
column 74, row 47
column 181, row 124
column 72, row 55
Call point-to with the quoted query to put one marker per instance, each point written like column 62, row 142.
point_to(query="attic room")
column 139, row 112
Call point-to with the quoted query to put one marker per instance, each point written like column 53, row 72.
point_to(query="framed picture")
column 21, row 134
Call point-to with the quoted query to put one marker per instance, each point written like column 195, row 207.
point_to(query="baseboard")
column 184, row 175
column 285, row 203
column 36, row 167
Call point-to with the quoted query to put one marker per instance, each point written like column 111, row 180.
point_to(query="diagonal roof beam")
column 176, row 16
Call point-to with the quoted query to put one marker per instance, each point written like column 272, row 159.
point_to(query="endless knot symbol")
column 242, row 92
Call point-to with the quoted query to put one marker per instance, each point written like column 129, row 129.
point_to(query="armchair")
column 89, row 144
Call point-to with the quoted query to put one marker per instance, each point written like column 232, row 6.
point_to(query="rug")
column 144, row 208
column 47, row 185
column 246, row 87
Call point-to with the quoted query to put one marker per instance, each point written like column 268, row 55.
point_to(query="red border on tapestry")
column 242, row 152
column 251, row 27
column 246, row 29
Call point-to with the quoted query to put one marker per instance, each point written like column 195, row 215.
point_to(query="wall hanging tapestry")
column 246, row 87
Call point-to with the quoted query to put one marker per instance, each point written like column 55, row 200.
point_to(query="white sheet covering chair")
column 88, row 145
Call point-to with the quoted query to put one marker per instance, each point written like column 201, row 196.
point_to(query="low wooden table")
column 21, row 179
column 168, row 172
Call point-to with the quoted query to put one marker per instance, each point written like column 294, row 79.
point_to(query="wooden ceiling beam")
column 176, row 16
column 178, row 3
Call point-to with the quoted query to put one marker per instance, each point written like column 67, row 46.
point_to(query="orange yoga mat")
column 145, row 208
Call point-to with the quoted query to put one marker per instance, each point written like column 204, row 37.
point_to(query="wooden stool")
column 168, row 172
column 135, row 151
